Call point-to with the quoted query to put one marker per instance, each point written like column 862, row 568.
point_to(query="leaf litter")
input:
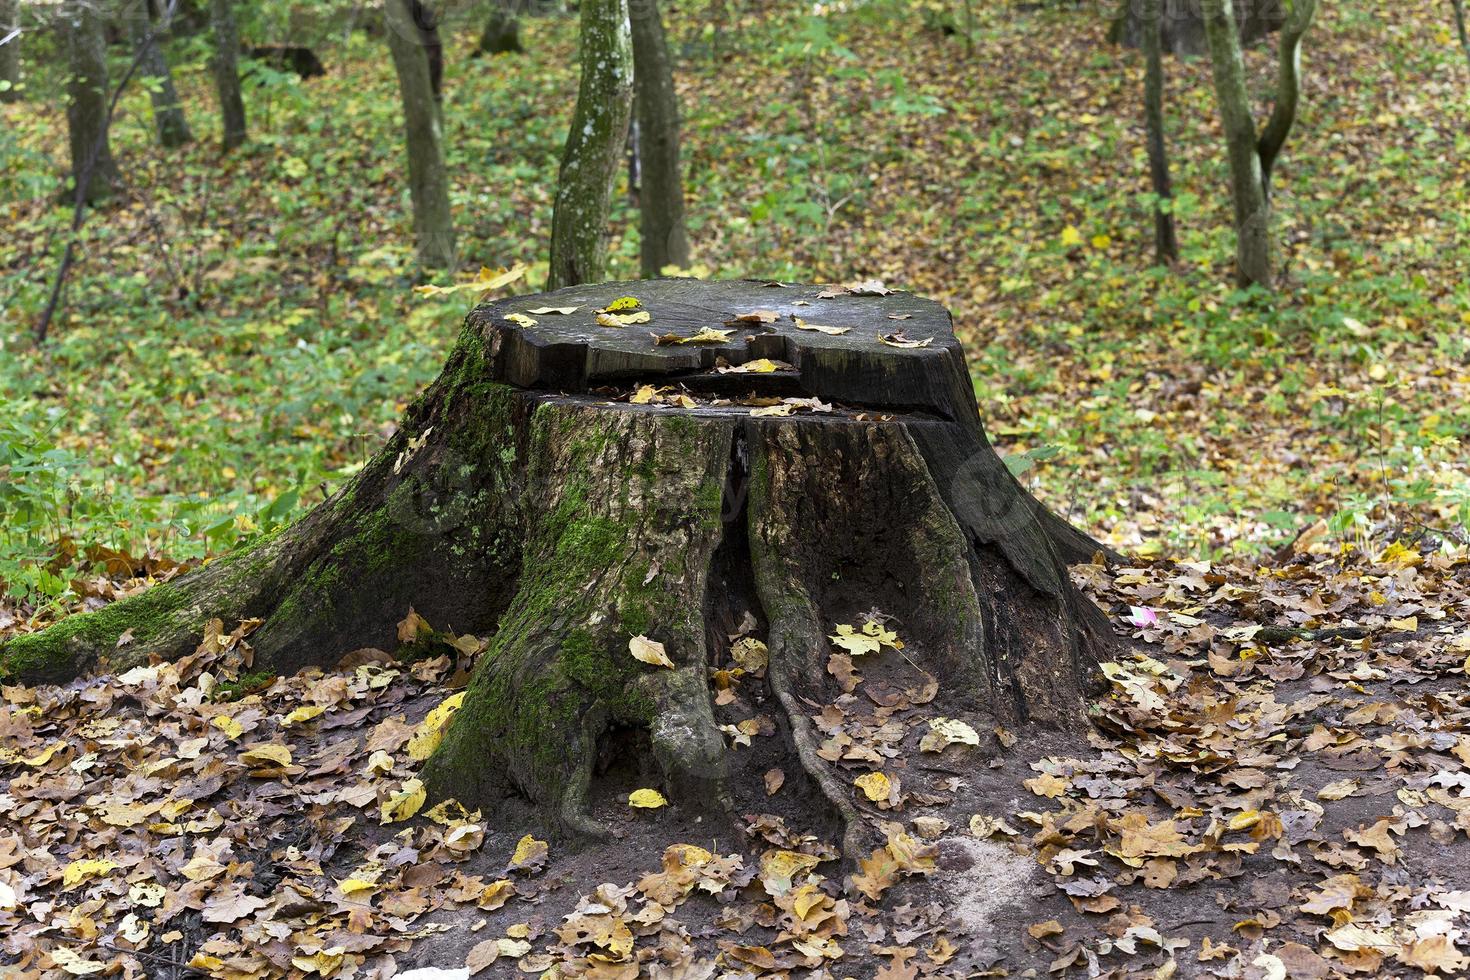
column 1277, row 783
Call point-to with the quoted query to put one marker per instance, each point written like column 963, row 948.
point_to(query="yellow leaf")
column 560, row 310
column 496, row 894
column 705, row 336
column 647, row 799
column 521, row 320
column 819, row 328
column 430, row 733
column 228, row 725
column 304, row 713
column 354, row 886
column 644, row 395
column 73, row 962
column 404, row 803
column 530, row 854
column 621, row 305
column 1071, row 236
column 1101, row 241
column 486, row 280
column 262, row 755
column 323, row 962
column 649, row 651
column 622, row 319
column 779, row 867
column 85, row 869
column 944, row 732
column 875, row 786
column 1245, row 820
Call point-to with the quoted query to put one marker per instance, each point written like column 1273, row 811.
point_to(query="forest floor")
column 1277, row 785
column 241, row 333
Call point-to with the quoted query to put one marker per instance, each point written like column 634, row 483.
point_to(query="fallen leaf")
column 649, row 652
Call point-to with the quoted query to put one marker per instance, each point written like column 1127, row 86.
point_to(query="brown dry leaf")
column 1040, row 930
column 753, row 317
column 774, row 778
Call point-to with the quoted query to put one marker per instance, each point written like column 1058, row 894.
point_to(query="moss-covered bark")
column 594, row 146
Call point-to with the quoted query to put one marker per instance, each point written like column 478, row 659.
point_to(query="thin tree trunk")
column 665, row 240
column 424, row 136
column 226, row 65
column 426, row 22
column 1459, row 6
column 1166, row 238
column 1247, row 182
column 93, row 168
column 1288, row 88
column 10, row 51
column 595, row 141
column 168, row 112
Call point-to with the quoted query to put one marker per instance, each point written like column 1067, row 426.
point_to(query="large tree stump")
column 527, row 497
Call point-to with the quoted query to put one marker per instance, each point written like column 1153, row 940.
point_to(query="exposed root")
column 805, row 740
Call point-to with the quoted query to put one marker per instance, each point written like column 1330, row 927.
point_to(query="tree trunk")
column 1182, row 24
column 93, row 169
column 589, row 162
column 1247, row 182
column 168, row 113
column 424, row 135
column 426, row 24
column 665, row 241
column 1166, row 237
column 1464, row 32
column 10, row 81
column 502, row 34
column 1252, row 157
column 529, row 497
column 225, row 63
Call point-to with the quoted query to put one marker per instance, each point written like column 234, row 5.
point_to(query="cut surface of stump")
column 721, row 476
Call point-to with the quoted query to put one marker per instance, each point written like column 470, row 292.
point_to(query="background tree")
column 665, row 240
column 1460, row 26
column 94, row 171
column 589, row 162
column 9, row 50
column 225, row 63
column 1252, row 157
column 1182, row 23
column 502, row 33
column 149, row 27
column 426, row 24
column 423, row 136
column 1166, row 235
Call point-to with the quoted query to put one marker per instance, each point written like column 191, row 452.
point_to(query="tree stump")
column 565, row 486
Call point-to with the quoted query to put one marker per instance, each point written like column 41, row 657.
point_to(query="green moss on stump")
column 54, row 653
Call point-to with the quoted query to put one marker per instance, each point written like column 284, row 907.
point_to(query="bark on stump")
column 527, row 499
